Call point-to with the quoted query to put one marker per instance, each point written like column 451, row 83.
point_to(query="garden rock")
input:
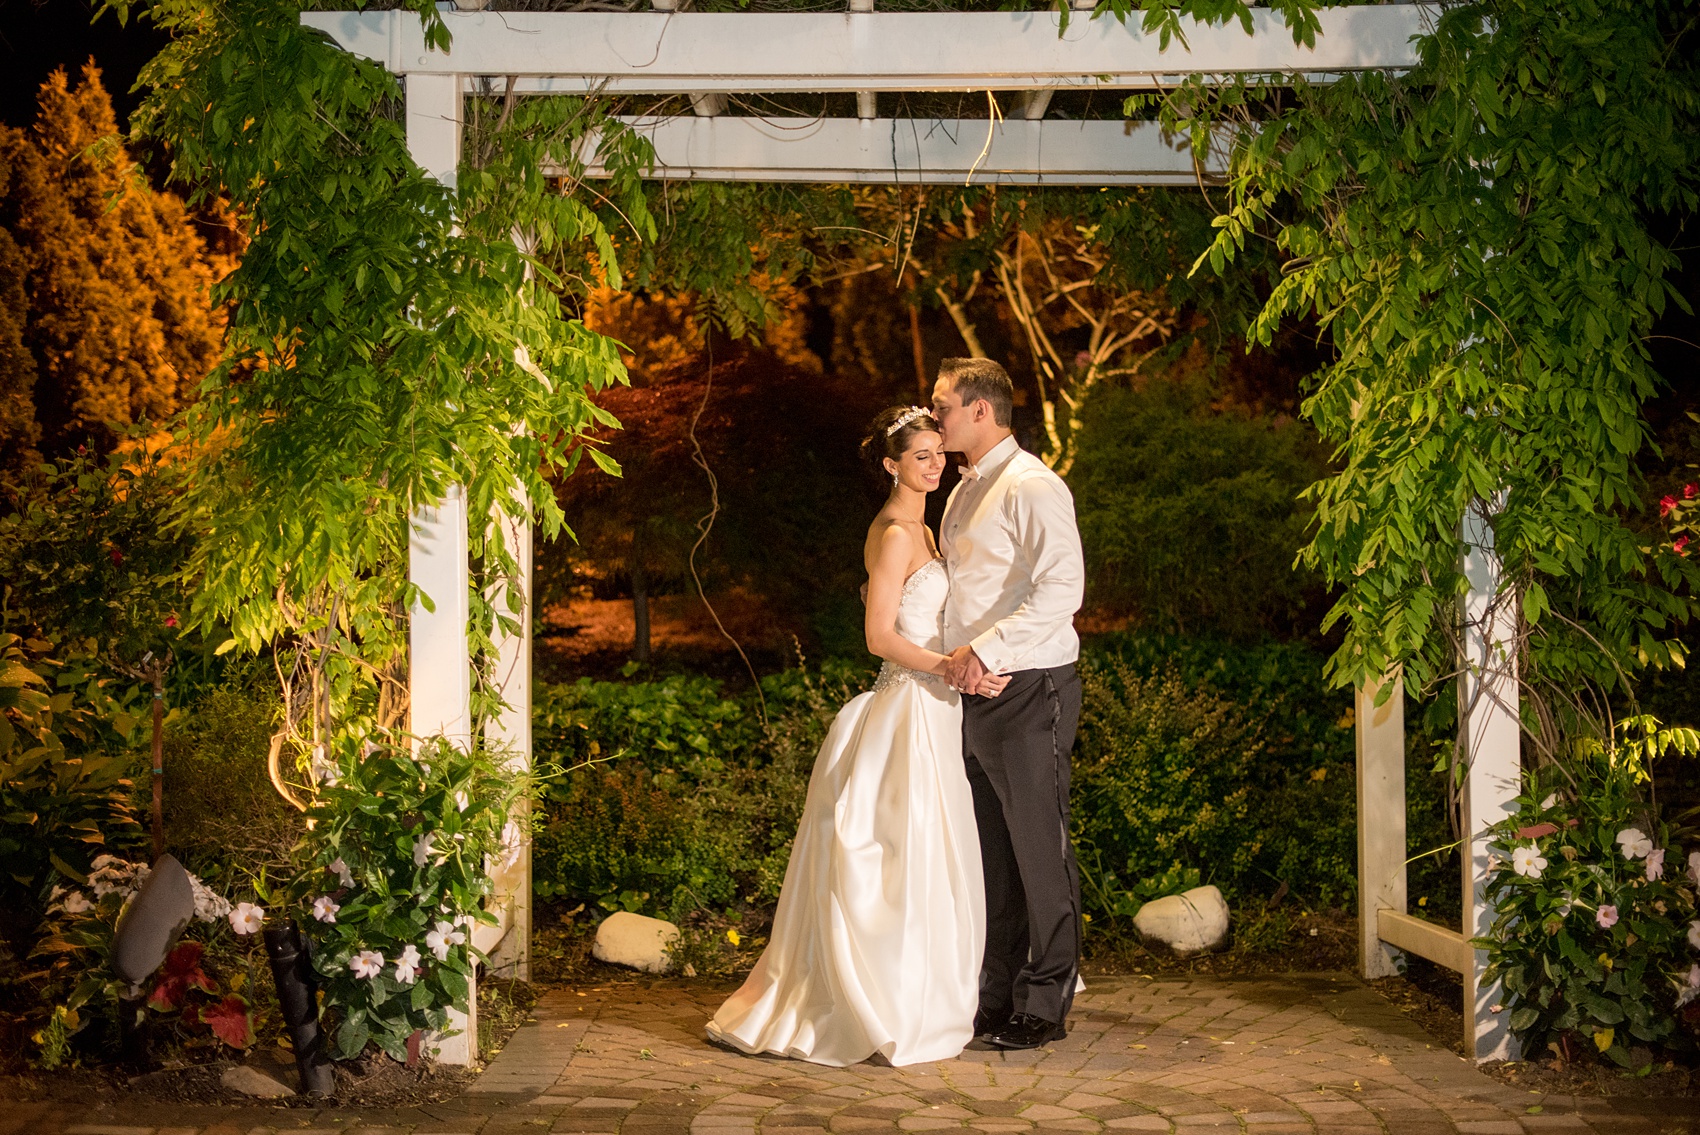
column 626, row 939
column 253, row 1082
column 1187, row 923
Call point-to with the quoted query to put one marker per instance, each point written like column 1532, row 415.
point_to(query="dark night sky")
column 36, row 38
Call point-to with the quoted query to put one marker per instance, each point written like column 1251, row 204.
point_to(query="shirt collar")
column 996, row 457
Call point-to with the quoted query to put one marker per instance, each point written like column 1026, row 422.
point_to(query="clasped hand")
column 965, row 672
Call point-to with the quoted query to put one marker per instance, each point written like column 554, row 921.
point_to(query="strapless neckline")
column 909, row 584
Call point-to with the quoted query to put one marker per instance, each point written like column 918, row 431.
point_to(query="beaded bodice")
column 920, row 619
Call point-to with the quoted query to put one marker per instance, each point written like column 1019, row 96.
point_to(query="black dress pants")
column 1016, row 747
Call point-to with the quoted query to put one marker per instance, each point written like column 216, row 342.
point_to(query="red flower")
column 1689, row 490
column 117, row 556
column 1681, row 546
column 182, row 973
column 1665, row 505
column 171, row 621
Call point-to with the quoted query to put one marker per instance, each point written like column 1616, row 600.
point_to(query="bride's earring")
column 894, row 480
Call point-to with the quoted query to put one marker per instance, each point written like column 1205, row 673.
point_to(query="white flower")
column 1694, row 934
column 443, row 936
column 210, row 906
column 324, row 908
column 506, row 855
column 1634, row 842
column 1655, row 864
column 367, row 963
column 246, row 918
column 461, row 800
column 1694, row 867
column 101, row 862
column 341, row 871
column 407, row 968
column 1689, row 989
column 1527, row 860
column 422, row 848
column 77, row 903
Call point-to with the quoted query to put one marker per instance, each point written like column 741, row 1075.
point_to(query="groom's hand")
column 966, row 670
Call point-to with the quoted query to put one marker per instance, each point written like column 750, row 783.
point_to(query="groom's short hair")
column 974, row 379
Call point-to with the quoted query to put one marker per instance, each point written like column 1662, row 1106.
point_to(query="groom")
column 1012, row 549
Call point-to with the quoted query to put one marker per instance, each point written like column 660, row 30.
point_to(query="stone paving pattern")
column 1307, row 1055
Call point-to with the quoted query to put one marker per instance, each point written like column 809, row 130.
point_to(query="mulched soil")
column 373, row 1081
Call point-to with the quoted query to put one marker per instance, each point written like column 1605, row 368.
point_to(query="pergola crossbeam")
column 888, row 151
column 849, row 52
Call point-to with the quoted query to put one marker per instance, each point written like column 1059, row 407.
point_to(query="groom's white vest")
column 1017, row 575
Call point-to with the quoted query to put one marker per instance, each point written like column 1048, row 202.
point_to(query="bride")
column 877, row 941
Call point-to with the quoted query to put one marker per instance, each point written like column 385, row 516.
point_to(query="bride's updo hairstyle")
column 887, row 438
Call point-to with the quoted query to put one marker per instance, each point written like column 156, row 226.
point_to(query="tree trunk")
column 922, row 386
column 640, row 603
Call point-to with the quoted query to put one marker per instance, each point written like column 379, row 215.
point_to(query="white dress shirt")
column 1017, row 575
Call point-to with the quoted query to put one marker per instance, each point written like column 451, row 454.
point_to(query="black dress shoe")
column 1027, row 1031
column 987, row 1022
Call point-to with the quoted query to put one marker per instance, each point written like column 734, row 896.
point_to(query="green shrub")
column 64, row 795
column 222, row 815
column 624, row 838
column 1299, row 806
column 691, row 801
column 1592, row 933
column 1161, row 777
column 1191, row 516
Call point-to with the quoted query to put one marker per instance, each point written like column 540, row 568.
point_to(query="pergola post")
column 1381, row 819
column 510, row 732
column 439, row 669
column 1489, row 744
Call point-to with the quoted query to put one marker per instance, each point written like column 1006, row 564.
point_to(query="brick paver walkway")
column 1320, row 1055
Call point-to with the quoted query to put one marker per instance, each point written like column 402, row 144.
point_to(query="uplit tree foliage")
column 116, row 324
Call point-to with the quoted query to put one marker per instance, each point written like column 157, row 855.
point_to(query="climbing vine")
column 1474, row 237
column 389, row 337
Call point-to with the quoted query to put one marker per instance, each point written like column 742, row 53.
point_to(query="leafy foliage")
column 1473, row 235
column 118, row 322
column 1589, row 933
column 388, row 340
column 396, row 862
column 88, row 559
column 1190, row 517
column 60, row 806
column 1160, row 779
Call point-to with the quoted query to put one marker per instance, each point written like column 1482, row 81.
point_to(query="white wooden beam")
column 440, row 669
column 1439, row 944
column 693, row 52
column 1490, row 739
column 1380, row 733
column 919, row 151
column 510, row 732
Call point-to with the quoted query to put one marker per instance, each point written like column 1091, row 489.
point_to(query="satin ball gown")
column 878, row 936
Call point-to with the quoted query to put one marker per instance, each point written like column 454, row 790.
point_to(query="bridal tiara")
column 908, row 416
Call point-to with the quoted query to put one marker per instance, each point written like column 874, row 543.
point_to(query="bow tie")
column 969, row 472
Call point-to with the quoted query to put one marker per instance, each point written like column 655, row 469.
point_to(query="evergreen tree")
column 119, row 325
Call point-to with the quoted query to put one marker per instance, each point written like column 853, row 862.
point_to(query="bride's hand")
column 992, row 685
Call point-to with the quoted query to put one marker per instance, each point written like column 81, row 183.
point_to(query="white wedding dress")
column 881, row 923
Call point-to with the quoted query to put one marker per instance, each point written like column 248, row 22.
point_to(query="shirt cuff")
column 989, row 648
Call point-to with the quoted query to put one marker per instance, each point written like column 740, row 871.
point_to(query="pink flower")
column 1606, row 916
column 171, row 620
column 1655, row 864
column 1680, row 546
column 1666, row 504
column 1689, row 490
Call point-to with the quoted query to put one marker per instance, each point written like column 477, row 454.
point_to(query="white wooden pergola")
column 718, row 59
